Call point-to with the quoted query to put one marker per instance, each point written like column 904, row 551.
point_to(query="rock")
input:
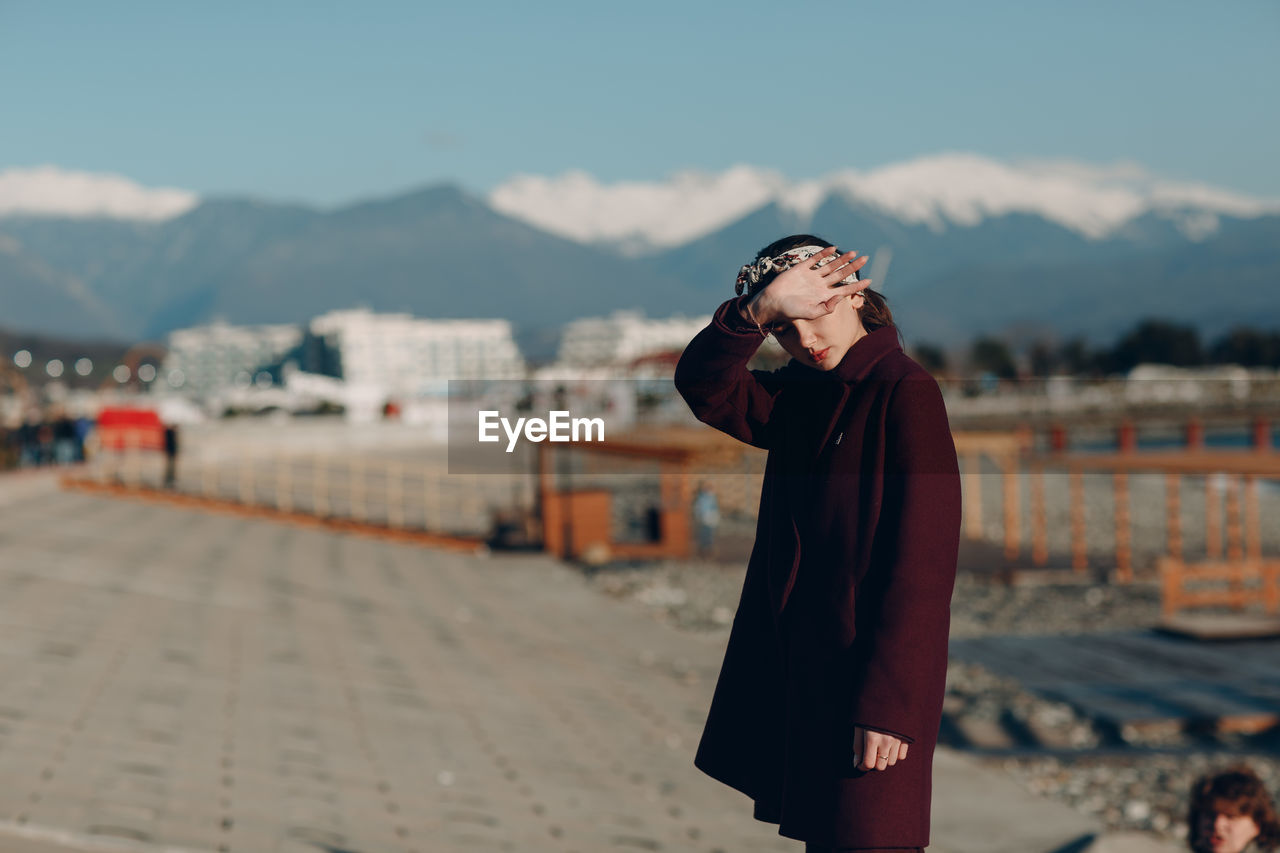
column 1136, row 810
column 596, row 554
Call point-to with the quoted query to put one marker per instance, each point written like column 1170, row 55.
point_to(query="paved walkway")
column 171, row 679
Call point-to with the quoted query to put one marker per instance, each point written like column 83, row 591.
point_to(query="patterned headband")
column 750, row 275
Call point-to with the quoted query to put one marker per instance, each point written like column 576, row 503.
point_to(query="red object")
column 1057, row 438
column 1261, row 434
column 1195, row 434
column 844, row 614
column 1126, row 437
column 129, row 429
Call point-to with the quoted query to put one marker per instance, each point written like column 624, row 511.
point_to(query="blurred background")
column 261, row 264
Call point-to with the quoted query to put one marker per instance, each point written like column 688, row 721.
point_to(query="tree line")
column 1149, row 342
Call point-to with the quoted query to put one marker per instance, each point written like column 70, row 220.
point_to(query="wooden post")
column 1173, row 515
column 1252, row 519
column 99, row 462
column 246, row 480
column 355, row 488
column 1012, row 520
column 1271, row 586
column 1235, row 545
column 1171, row 585
column 425, row 492
column 208, row 483
column 973, row 495
column 1025, row 438
column 1124, row 554
column 319, row 486
column 284, row 484
column 134, row 456
column 395, row 494
column 432, row 500
column 1079, row 545
column 1212, row 518
column 440, row 488
column 1039, row 524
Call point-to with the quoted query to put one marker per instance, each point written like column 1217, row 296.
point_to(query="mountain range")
column 977, row 247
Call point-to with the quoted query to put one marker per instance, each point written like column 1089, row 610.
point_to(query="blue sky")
column 330, row 102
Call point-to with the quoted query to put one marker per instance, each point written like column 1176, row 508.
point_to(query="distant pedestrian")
column 64, row 440
column 1231, row 812
column 28, row 443
column 83, row 427
column 170, row 455
column 706, row 517
column 44, row 443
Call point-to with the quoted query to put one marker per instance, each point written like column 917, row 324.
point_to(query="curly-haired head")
column 1232, row 794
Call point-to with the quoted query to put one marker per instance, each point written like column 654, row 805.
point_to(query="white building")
column 407, row 356
column 207, row 358
column 623, row 337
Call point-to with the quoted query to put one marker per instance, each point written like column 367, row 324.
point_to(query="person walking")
column 170, row 456
column 829, row 699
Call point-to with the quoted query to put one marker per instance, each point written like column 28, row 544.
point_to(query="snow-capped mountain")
column 937, row 191
column 977, row 247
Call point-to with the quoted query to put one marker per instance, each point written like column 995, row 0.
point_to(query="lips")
column 819, row 355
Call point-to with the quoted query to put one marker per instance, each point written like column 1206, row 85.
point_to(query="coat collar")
column 863, row 355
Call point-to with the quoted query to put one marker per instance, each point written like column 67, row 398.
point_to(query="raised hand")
column 807, row 291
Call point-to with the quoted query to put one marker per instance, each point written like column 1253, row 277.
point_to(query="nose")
column 805, row 332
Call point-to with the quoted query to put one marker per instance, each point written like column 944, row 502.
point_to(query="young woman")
column 1231, row 812
column 827, row 707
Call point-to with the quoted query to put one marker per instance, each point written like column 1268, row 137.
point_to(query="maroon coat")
column 845, row 608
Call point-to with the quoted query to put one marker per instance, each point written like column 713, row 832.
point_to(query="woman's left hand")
column 874, row 750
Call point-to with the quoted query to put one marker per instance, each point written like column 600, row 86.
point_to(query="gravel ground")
column 1146, row 792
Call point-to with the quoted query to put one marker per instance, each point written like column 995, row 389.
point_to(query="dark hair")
column 875, row 310
column 1241, row 789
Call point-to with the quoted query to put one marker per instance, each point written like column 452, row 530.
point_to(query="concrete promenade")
column 179, row 680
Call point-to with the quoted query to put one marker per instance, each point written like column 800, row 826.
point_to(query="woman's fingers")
column 843, row 290
column 825, row 253
column 839, row 263
column 877, row 751
column 844, row 266
column 902, row 751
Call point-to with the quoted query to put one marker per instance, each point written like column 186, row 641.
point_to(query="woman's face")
column 822, row 343
column 1226, row 830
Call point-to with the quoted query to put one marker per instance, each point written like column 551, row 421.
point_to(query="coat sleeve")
column 908, row 589
column 712, row 377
